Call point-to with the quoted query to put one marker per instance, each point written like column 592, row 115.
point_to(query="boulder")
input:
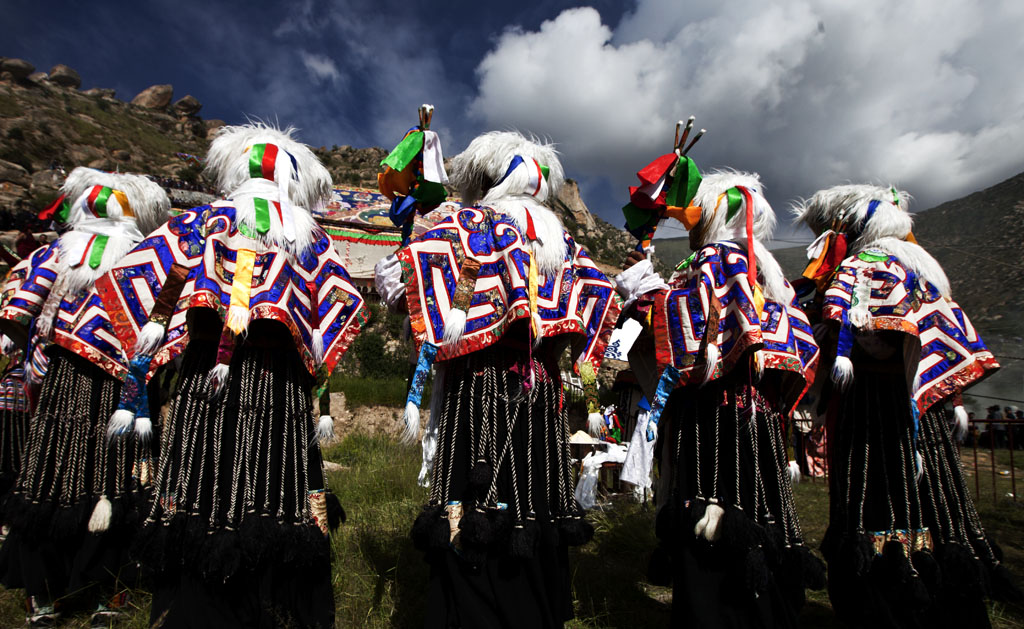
column 154, row 97
column 19, row 68
column 212, row 126
column 38, row 77
column 121, row 155
column 65, row 77
column 187, row 106
column 14, row 173
column 100, row 92
column 101, row 164
column 46, row 180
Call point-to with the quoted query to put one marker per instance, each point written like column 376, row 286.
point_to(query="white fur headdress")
column 872, row 217
column 477, row 171
column 148, row 201
column 716, row 224
column 227, row 162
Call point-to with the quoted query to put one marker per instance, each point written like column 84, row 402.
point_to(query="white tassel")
column 238, row 319
column 794, row 472
column 595, row 421
column 143, row 429
column 120, row 423
column 149, row 339
column 842, row 372
column 712, row 363
column 708, row 526
column 960, row 422
column 325, row 428
column 318, row 346
column 412, row 423
column 100, row 519
column 454, row 325
column 538, row 325
column 217, row 378
column 919, row 462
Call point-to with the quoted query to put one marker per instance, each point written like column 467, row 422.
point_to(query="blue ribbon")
column 419, row 377
column 845, row 344
column 401, row 210
column 666, row 384
column 872, row 206
column 516, row 161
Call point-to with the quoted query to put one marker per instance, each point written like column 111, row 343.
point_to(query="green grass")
column 361, row 391
column 380, row 580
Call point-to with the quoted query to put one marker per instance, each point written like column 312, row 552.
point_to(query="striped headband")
column 263, row 161
column 534, row 170
column 98, row 203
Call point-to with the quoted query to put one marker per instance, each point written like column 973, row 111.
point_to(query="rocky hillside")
column 48, row 126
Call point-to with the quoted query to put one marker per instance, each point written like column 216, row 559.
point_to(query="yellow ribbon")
column 241, row 287
column 122, row 200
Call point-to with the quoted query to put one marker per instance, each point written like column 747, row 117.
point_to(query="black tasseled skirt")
column 13, row 427
column 502, row 454
column 67, row 467
column 942, row 572
column 723, row 444
column 231, row 535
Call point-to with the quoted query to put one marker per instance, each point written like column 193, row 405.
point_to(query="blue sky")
column 922, row 94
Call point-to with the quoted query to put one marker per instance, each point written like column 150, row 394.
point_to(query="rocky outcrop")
column 100, row 92
column 19, row 69
column 569, row 195
column 154, row 97
column 188, row 105
column 14, row 173
column 64, row 76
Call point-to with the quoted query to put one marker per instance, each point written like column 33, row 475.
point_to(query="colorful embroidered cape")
column 719, row 273
column 29, row 285
column 952, row 355
column 209, row 244
column 579, row 300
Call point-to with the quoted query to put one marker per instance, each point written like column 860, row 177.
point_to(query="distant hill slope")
column 47, row 124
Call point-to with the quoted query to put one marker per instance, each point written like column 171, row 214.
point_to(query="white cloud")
column 320, row 67
column 923, row 93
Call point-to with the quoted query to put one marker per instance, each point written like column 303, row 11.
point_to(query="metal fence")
column 994, row 440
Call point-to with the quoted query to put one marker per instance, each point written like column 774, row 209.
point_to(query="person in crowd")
column 76, row 500
column 251, row 295
column 905, row 546
column 496, row 293
column 735, row 353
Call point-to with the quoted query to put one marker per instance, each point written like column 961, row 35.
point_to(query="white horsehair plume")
column 143, row 429
column 99, row 521
column 411, row 419
column 794, row 472
column 120, row 423
column 710, row 524
column 325, row 428
column 960, row 422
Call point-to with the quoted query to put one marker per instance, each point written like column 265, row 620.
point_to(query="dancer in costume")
column 734, row 352
column 251, row 294
column 905, row 547
column 76, row 499
column 14, row 398
column 496, row 293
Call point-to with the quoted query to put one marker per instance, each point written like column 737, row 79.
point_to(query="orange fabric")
column 392, row 183
column 689, row 216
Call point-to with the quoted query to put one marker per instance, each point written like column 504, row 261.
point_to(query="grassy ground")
column 379, row 577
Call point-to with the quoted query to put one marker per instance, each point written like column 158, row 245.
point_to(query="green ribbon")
column 895, row 197
column 872, row 256
column 64, row 212
column 430, row 193
column 96, row 252
column 735, row 199
column 262, row 207
column 100, row 205
column 256, row 161
column 545, row 170
column 635, row 217
column 684, row 184
column 406, row 151
column 685, row 264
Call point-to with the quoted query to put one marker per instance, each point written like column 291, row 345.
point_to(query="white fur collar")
column 550, row 250
column 915, row 258
column 306, row 230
